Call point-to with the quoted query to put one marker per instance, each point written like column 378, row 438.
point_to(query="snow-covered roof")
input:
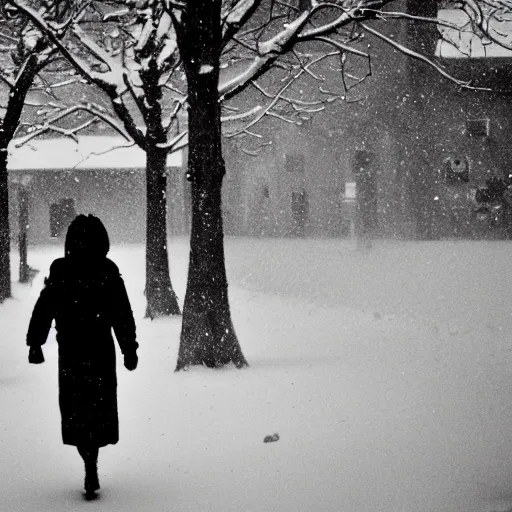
column 90, row 152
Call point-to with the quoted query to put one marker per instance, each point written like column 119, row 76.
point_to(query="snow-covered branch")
column 80, row 64
column 50, row 125
column 175, row 141
column 279, row 96
column 297, row 31
column 241, row 115
column 491, row 20
column 112, row 81
column 345, row 48
column 114, row 65
column 268, row 52
column 411, row 53
column 36, row 58
column 174, row 114
column 301, row 105
column 8, row 37
column 6, row 79
column 236, row 17
column 389, row 15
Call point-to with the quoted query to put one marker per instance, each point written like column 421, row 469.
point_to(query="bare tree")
column 224, row 50
column 25, row 52
column 228, row 47
column 129, row 53
column 32, row 74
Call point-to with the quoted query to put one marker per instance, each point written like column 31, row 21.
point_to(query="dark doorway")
column 61, row 215
column 366, row 192
column 300, row 210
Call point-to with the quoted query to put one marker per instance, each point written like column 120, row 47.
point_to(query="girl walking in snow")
column 86, row 296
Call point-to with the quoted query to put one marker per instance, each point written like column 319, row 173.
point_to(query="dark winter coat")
column 87, row 298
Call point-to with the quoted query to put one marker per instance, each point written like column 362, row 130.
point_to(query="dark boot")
column 91, row 483
column 90, row 456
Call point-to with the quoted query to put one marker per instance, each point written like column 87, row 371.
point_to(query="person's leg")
column 90, row 456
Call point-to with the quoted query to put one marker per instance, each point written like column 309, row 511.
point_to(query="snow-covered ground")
column 387, row 374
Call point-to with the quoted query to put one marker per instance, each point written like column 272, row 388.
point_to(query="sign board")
column 350, row 190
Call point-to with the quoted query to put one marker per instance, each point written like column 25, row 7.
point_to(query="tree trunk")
column 5, row 245
column 160, row 296
column 207, row 337
column 8, row 126
column 23, row 220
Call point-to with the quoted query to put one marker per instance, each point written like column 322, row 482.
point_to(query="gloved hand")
column 131, row 360
column 35, row 355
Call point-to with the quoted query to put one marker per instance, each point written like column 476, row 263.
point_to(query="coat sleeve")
column 123, row 322
column 43, row 313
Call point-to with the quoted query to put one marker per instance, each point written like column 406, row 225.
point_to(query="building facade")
column 101, row 175
column 402, row 157
column 416, row 148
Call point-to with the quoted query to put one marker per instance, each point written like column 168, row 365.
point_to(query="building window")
column 61, row 215
column 294, row 162
column 478, row 127
column 363, row 159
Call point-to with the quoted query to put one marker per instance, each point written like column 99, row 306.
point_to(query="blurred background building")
column 405, row 155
